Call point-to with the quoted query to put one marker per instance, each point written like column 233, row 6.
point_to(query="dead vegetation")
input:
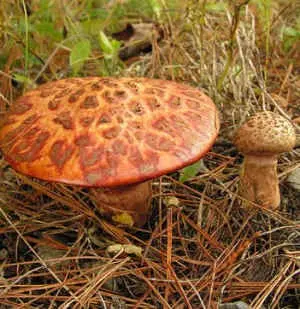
column 203, row 245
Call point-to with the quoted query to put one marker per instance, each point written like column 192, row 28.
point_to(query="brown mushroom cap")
column 107, row 132
column 265, row 133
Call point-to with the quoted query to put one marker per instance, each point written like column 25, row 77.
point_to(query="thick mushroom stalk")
column 261, row 139
column 128, row 205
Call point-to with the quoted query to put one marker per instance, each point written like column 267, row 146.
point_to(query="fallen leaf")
column 129, row 249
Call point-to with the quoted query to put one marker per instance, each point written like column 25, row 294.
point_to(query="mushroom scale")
column 107, row 132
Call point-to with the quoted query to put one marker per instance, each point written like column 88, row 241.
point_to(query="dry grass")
column 203, row 245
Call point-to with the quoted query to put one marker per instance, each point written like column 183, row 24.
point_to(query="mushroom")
column 261, row 139
column 110, row 134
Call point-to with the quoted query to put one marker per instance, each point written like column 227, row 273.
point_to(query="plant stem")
column 202, row 23
column 267, row 13
column 26, row 38
column 230, row 49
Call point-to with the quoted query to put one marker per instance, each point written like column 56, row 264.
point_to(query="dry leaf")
column 129, row 249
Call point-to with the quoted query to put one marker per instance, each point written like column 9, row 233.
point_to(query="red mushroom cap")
column 107, row 132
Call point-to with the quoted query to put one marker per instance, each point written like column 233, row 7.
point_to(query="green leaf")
column 156, row 7
column 21, row 26
column 105, row 43
column 216, row 7
column 3, row 60
column 292, row 32
column 79, row 54
column 109, row 47
column 47, row 29
column 99, row 13
column 290, row 36
column 22, row 79
column 91, row 26
column 190, row 171
column 43, row 12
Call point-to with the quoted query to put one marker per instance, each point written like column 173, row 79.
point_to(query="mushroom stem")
column 128, row 205
column 259, row 181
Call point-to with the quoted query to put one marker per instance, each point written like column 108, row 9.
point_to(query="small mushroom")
column 261, row 139
column 112, row 135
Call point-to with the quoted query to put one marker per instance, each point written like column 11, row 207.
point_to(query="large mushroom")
column 261, row 139
column 110, row 134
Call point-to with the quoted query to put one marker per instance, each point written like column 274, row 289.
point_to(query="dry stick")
column 254, row 286
column 46, row 64
column 223, row 265
column 278, row 294
column 170, row 270
column 230, row 260
column 5, row 82
column 146, row 294
column 26, row 26
column 92, row 286
column 43, row 225
column 265, row 292
column 154, row 234
column 50, row 242
column 58, row 260
column 282, row 112
column 208, row 200
column 198, row 294
column 156, row 292
column 156, row 269
column 86, row 286
column 37, row 297
column 242, row 287
column 114, row 231
column 181, row 290
column 200, row 209
column 212, row 284
column 202, row 23
column 3, row 102
column 288, row 73
column 289, row 170
column 203, row 248
column 169, row 249
column 251, row 287
column 73, row 204
column 102, row 300
column 160, row 210
column 213, row 242
column 94, row 300
column 77, row 280
column 240, row 249
column 17, row 279
column 196, row 192
column 80, row 279
column 266, row 252
column 39, row 258
column 169, row 55
column 252, row 204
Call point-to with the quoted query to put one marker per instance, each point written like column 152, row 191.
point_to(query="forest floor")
column 201, row 247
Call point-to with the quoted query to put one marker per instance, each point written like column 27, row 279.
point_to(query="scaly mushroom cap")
column 265, row 133
column 107, row 132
